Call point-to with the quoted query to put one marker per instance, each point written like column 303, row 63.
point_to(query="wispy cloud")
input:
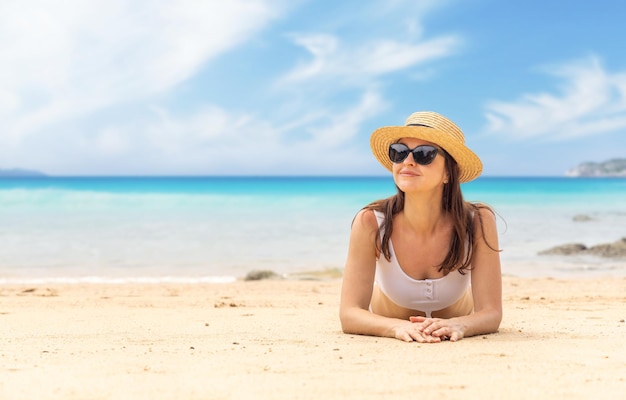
column 332, row 59
column 341, row 85
column 64, row 60
column 342, row 127
column 212, row 138
column 591, row 101
column 96, row 87
column 389, row 38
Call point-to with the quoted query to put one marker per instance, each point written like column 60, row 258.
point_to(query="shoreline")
column 282, row 339
column 226, row 280
column 542, row 267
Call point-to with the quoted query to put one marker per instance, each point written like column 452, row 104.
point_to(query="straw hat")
column 434, row 128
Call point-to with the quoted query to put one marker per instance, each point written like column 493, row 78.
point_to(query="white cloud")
column 345, row 126
column 195, row 132
column 112, row 141
column 390, row 38
column 367, row 60
column 92, row 87
column 63, row 60
column 591, row 101
column 8, row 102
column 214, row 140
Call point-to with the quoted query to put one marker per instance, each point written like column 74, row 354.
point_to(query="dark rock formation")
column 613, row 250
column 609, row 250
column 258, row 275
column 565, row 249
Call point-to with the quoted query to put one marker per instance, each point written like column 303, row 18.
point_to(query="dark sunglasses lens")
column 398, row 152
column 424, row 155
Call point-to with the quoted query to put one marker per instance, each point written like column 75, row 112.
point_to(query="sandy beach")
column 281, row 339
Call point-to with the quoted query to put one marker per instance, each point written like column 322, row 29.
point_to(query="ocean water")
column 215, row 229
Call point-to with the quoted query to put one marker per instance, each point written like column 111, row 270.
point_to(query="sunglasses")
column 423, row 155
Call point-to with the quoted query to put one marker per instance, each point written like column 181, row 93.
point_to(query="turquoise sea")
column 198, row 229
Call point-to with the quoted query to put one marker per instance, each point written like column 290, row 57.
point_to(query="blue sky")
column 257, row 87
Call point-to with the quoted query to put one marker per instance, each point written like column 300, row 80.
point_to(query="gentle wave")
column 176, row 228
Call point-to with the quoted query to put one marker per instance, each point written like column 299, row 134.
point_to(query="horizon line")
column 44, row 176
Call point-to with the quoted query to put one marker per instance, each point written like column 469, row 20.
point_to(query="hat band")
column 420, row 125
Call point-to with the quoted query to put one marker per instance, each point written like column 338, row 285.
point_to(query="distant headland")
column 611, row 168
column 19, row 173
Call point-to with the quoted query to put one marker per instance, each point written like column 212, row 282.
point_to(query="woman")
column 423, row 265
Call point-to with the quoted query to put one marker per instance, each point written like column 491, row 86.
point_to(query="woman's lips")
column 409, row 173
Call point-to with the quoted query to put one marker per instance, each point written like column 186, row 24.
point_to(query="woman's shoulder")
column 366, row 219
column 481, row 210
column 484, row 220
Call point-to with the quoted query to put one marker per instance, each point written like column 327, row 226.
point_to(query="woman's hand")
column 442, row 329
column 412, row 332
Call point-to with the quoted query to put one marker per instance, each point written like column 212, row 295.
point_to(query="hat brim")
column 470, row 166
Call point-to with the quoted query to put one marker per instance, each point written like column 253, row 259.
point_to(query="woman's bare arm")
column 486, row 288
column 358, row 281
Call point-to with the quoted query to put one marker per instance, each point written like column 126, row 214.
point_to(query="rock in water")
column 608, row 250
column 565, row 249
column 612, row 250
column 258, row 275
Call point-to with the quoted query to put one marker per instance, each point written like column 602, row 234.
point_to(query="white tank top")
column 425, row 295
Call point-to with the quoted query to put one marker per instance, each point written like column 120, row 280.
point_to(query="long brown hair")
column 462, row 244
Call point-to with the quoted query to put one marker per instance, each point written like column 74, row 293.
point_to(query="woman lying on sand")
column 423, row 265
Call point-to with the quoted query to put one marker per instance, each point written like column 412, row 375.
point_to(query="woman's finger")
column 432, row 327
column 441, row 332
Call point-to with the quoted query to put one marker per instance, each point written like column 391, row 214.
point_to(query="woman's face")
column 410, row 176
